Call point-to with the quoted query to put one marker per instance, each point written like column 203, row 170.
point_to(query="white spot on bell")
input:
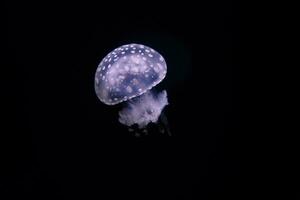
column 126, row 68
column 135, row 69
column 156, row 69
column 129, row 89
column 160, row 66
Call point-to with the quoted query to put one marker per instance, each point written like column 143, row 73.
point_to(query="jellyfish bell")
column 127, row 74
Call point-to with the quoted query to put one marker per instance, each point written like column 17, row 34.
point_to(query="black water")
column 62, row 142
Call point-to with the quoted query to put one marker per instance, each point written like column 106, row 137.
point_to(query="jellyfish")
column 127, row 75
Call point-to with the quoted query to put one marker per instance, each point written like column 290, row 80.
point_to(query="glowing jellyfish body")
column 128, row 72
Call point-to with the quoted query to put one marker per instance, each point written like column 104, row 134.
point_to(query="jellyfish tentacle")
column 144, row 109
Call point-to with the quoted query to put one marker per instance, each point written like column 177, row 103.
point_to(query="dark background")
column 60, row 141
